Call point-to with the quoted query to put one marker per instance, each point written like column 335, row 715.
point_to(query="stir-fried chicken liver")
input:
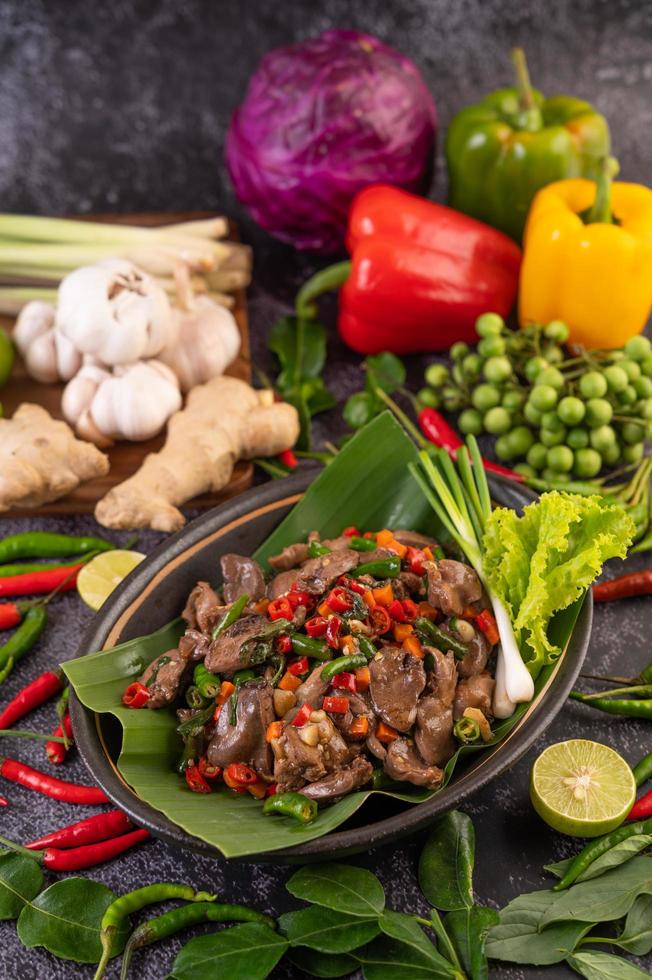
column 281, row 584
column 474, row 692
column 452, row 586
column 297, row 762
column 342, row 782
column 434, row 732
column 164, row 677
column 241, row 576
column 236, row 648
column 477, row 654
column 317, row 575
column 194, row 645
column 203, row 608
column 245, row 741
column 403, row 763
column 290, row 557
column 397, row 680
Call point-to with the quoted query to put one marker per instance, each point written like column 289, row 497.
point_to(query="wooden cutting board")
column 125, row 457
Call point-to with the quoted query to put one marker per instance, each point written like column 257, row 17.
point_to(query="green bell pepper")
column 501, row 151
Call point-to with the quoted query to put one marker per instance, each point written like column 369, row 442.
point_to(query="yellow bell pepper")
column 588, row 260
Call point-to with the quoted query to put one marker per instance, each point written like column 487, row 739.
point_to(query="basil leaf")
column 608, row 897
column 517, row 939
column 615, row 856
column 21, row 879
column 406, row 930
column 604, row 966
column 385, row 371
column 246, row 952
column 326, row 930
column 317, row 964
column 359, row 409
column 636, row 936
column 388, row 959
column 65, row 919
column 339, row 887
column 446, row 863
column 468, row 928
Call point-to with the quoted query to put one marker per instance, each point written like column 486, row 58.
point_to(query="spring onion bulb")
column 460, row 498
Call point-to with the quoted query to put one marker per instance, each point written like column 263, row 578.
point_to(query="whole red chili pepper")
column 624, row 587
column 11, row 614
column 41, row 689
column 78, row 858
column 437, row 431
column 288, row 459
column 89, row 831
column 3, row 801
column 34, row 583
column 57, row 751
column 18, row 772
column 642, row 808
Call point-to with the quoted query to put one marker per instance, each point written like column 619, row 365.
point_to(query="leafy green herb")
column 468, row 928
column 21, row 879
column 246, row 952
column 618, row 854
column 517, row 938
column 300, row 346
column 326, row 930
column 384, row 371
column 446, row 863
column 339, row 887
column 317, row 964
column 65, row 919
column 605, row 899
column 604, row 966
column 406, row 930
column 636, row 936
column 389, row 959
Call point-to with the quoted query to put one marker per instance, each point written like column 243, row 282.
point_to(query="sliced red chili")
column 316, row 626
column 297, row 599
column 336, row 705
column 136, row 695
column 272, row 789
column 410, row 609
column 207, row 770
column 280, row 609
column 486, row 622
column 195, row 780
column 350, row 532
column 333, row 632
column 299, row 666
column 302, row 715
column 338, row 600
column 283, row 644
column 238, row 773
column 345, row 681
column 380, row 621
column 369, row 534
column 352, row 585
column 415, row 558
column 396, row 611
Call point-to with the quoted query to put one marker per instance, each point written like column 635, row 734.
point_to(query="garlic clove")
column 35, row 319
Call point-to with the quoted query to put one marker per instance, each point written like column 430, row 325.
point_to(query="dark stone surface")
column 123, row 106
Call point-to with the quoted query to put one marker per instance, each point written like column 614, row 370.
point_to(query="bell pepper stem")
column 600, row 210
column 323, row 281
column 523, row 84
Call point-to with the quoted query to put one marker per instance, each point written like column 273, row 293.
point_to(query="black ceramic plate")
column 152, row 596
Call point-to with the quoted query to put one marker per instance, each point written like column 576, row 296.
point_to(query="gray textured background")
column 124, row 106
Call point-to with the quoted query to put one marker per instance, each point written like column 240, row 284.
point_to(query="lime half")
column 104, row 573
column 582, row 788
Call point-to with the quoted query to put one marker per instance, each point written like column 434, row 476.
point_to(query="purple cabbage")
column 320, row 121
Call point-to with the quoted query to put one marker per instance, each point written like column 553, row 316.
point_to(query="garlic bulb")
column 207, row 341
column 115, row 312
column 49, row 356
column 132, row 402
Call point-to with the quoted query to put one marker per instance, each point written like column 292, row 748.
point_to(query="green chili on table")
column 230, row 617
column 125, row 905
column 436, row 637
column 44, row 544
column 175, row 920
column 22, row 640
column 625, row 707
column 207, row 683
column 382, row 568
column 596, row 848
column 351, row 662
column 643, row 770
column 291, row 805
column 309, row 646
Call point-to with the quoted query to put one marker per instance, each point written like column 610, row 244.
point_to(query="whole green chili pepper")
column 467, row 731
column 238, row 679
column 171, row 922
column 362, row 544
column 316, row 549
column 643, row 770
column 432, row 634
column 123, row 906
column 194, row 697
column 366, row 646
column 43, row 544
column 23, row 639
column 291, row 805
column 595, row 848
column 233, row 614
column 625, row 707
column 26, row 568
column 383, row 568
column 309, row 646
column 208, row 683
column 338, row 666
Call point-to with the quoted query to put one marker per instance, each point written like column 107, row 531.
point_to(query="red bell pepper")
column 420, row 274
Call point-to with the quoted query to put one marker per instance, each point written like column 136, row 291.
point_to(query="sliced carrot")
column 425, row 609
column 468, row 613
column 273, row 731
column 428, row 553
column 368, row 598
column 289, row 682
column 402, row 631
column 258, row 790
column 412, row 645
column 359, row 727
column 261, row 606
column 385, row 733
column 362, row 678
column 324, row 609
column 347, row 643
column 385, row 539
column 226, row 690
column 384, row 595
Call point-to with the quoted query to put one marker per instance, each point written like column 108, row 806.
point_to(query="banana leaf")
column 367, row 485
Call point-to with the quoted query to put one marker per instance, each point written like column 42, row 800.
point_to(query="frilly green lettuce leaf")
column 543, row 561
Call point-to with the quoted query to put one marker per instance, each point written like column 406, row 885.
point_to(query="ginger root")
column 224, row 420
column 41, row 460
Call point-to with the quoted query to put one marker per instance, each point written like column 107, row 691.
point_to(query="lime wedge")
column 104, row 573
column 582, row 788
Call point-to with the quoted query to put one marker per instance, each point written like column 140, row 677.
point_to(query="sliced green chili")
column 595, row 848
column 194, row 697
column 316, row 549
column 310, row 647
column 433, row 635
column 291, row 805
column 230, row 617
column 175, row 920
column 467, row 731
column 366, row 646
column 208, row 683
column 362, row 544
column 351, row 662
column 382, row 568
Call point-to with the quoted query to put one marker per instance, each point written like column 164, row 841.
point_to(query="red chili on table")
column 35, row 583
column 624, row 587
column 11, row 614
column 642, row 808
column 437, row 431
column 57, row 751
column 58, row 789
column 34, row 694
column 136, row 695
column 288, row 459
column 78, row 858
column 89, row 831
